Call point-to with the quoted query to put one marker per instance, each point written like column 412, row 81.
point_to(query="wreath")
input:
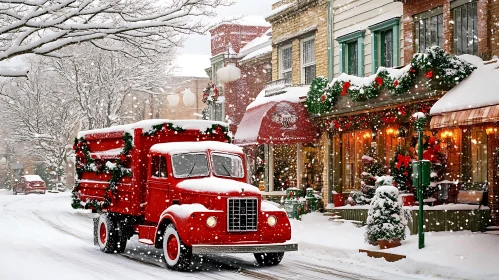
column 211, row 94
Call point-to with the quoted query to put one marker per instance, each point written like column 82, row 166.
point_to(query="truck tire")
column 269, row 259
column 177, row 254
column 109, row 235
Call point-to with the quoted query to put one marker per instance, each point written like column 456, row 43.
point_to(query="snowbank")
column 452, row 255
column 218, row 185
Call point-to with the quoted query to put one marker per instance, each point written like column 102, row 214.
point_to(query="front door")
column 158, row 187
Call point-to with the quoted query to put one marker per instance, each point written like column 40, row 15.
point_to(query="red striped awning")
column 488, row 114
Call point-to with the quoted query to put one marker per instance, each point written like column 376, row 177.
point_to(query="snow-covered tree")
column 44, row 27
column 100, row 81
column 39, row 116
column 385, row 220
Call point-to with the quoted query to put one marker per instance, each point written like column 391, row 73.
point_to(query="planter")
column 387, row 244
column 407, row 199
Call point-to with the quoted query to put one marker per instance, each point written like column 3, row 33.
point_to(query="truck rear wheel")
column 177, row 254
column 269, row 259
column 109, row 235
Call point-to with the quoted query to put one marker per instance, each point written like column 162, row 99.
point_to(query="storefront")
column 467, row 117
column 280, row 140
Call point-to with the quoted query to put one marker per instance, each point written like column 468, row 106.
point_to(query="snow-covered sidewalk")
column 453, row 255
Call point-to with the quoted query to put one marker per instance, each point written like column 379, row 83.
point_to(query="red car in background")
column 30, row 184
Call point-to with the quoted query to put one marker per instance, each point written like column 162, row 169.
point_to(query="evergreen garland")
column 219, row 129
column 401, row 169
column 438, row 67
column 161, row 127
column 385, row 220
column 85, row 163
column 320, row 97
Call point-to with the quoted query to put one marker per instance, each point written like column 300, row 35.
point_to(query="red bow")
column 405, row 160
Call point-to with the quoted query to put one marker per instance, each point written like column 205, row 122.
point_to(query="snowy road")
column 41, row 237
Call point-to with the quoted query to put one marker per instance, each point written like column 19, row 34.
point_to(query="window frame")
column 427, row 17
column 162, row 159
column 304, row 65
column 472, row 6
column 229, row 156
column 377, row 42
column 283, row 71
column 344, row 40
column 175, row 175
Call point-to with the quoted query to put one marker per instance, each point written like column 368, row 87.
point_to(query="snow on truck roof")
column 188, row 147
column 146, row 125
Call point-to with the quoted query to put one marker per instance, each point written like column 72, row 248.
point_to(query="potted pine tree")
column 385, row 222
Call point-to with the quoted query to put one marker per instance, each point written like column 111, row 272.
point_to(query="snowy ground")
column 41, row 237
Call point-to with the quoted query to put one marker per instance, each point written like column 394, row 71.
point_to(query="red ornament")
column 379, row 81
column 395, row 83
column 323, row 98
column 429, row 74
column 412, row 70
column 346, row 86
column 122, row 158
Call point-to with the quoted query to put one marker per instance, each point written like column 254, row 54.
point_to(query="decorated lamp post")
column 421, row 174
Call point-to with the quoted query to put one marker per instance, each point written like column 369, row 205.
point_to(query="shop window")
column 464, row 14
column 307, row 60
column 354, row 145
column 475, row 156
column 159, row 167
column 286, row 62
column 285, row 161
column 429, row 29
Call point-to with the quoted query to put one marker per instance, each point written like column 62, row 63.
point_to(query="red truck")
column 181, row 186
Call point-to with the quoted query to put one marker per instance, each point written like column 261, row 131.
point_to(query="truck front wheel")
column 177, row 254
column 269, row 259
column 109, row 235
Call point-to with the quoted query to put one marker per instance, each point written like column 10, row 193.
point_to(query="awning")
column 279, row 122
column 489, row 114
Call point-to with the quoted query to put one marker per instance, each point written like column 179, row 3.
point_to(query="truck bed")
column 112, row 163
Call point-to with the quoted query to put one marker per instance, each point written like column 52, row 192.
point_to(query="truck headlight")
column 271, row 220
column 211, row 221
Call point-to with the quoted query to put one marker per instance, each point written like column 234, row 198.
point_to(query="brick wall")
column 237, row 35
column 239, row 94
column 309, row 19
column 488, row 38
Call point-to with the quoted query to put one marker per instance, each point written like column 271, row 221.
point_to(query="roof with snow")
column 192, row 65
column 189, row 147
column 259, row 46
column 289, row 93
column 147, row 125
column 243, row 21
column 480, row 89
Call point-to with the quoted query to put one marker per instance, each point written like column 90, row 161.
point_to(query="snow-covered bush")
column 385, row 220
column 372, row 169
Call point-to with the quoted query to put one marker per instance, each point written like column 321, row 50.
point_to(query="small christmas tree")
column 384, row 220
column 372, row 169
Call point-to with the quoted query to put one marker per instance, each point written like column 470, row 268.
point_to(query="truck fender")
column 164, row 221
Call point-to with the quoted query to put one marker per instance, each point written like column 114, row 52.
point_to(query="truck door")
column 158, row 187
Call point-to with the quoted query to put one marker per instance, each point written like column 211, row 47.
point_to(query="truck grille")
column 243, row 214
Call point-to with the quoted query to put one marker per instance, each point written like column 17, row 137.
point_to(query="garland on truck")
column 218, row 129
column 161, row 127
column 85, row 163
column 437, row 66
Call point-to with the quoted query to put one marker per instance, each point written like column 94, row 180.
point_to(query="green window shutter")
column 374, row 52
column 360, row 56
column 396, row 45
column 343, row 55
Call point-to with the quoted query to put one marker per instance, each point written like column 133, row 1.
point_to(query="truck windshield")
column 228, row 165
column 190, row 165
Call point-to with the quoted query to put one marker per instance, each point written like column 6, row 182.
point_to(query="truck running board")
column 246, row 248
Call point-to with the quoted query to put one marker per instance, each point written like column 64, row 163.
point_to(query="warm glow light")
column 389, row 131
column 490, row 130
column 367, row 135
column 447, row 134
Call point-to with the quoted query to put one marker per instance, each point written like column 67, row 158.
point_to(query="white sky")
column 200, row 44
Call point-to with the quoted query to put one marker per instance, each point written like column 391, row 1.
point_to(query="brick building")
column 458, row 26
column 255, row 71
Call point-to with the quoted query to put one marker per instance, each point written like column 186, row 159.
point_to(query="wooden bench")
column 471, row 197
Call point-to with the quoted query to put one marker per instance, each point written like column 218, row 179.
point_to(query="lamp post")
column 418, row 167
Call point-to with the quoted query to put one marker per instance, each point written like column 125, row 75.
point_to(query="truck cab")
column 197, row 196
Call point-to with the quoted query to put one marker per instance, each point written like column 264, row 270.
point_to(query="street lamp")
column 230, row 72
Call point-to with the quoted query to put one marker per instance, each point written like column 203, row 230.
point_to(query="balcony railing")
column 276, row 87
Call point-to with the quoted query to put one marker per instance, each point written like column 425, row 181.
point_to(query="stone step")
column 330, row 214
column 492, row 228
